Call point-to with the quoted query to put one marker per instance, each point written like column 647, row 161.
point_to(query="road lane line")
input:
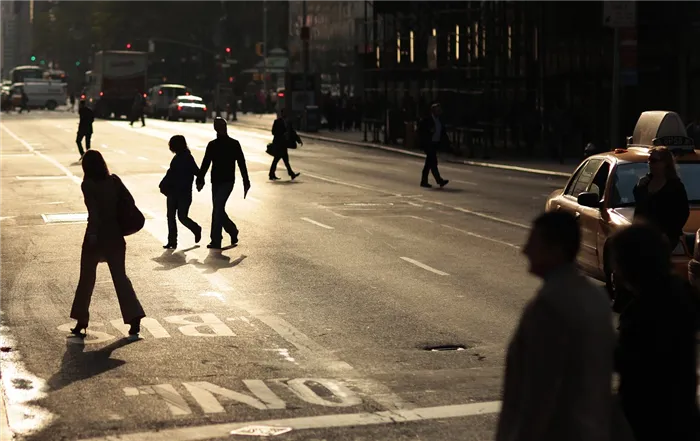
column 419, row 199
column 143, row 158
column 479, row 236
column 105, row 146
column 251, row 198
column 164, row 167
column 424, row 266
column 121, row 152
column 463, row 182
column 311, row 221
column 214, row 431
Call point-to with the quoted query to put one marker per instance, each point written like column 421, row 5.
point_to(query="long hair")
column 94, row 166
column 178, row 144
column 666, row 156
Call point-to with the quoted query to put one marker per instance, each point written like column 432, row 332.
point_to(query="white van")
column 160, row 97
column 41, row 93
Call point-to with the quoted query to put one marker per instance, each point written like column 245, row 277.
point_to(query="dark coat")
column 426, row 129
column 284, row 136
column 656, row 360
column 180, row 176
column 87, row 117
column 668, row 208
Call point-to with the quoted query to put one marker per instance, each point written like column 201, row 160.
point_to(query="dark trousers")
column 114, row 253
column 79, row 141
column 178, row 209
column 219, row 195
column 431, row 164
column 135, row 117
column 284, row 156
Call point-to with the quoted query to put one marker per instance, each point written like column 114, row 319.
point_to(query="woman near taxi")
column 660, row 196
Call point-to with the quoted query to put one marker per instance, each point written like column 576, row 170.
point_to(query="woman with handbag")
column 177, row 187
column 284, row 137
column 112, row 214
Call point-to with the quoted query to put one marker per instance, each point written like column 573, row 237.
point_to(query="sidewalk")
column 541, row 167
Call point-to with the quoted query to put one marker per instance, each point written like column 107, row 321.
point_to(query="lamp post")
column 265, row 48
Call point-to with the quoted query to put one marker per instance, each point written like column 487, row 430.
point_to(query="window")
column 585, row 177
column 627, row 175
column 600, row 180
column 572, row 181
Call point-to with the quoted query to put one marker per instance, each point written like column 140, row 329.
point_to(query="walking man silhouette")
column 222, row 154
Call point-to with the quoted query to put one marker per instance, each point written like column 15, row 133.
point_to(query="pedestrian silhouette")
column 87, row 117
column 284, row 138
column 222, row 154
column 177, row 187
column 104, row 242
column 433, row 137
column 560, row 361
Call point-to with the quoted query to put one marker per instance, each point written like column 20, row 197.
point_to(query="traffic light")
column 77, row 63
column 43, row 62
column 228, row 50
column 33, row 58
column 259, row 48
column 231, row 79
column 128, row 45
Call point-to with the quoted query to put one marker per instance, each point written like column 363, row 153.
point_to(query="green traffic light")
column 33, row 58
column 43, row 62
column 77, row 63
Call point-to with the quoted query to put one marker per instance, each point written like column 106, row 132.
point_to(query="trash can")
column 312, row 119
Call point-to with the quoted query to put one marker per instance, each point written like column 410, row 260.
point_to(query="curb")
column 536, row 171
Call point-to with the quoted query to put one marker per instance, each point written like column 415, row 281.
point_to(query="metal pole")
column 615, row 103
column 265, row 49
column 305, row 47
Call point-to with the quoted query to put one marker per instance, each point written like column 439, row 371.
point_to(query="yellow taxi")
column 599, row 193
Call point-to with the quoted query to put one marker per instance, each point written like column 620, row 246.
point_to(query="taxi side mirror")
column 589, row 199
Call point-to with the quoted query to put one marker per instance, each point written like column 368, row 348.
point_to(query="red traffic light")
column 228, row 50
column 128, row 45
column 280, row 94
column 231, row 79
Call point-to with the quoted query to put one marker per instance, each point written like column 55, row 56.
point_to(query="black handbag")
column 270, row 149
column 129, row 217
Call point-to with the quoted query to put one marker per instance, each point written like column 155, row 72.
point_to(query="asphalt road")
column 317, row 321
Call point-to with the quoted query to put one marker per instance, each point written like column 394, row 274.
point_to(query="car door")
column 569, row 203
column 592, row 220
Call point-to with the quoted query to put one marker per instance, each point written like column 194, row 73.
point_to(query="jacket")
column 101, row 199
column 222, row 154
column 558, row 382
column 426, row 129
column 668, row 208
column 180, row 176
column 87, row 117
column 283, row 135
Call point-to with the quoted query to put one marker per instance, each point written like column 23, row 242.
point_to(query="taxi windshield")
column 627, row 176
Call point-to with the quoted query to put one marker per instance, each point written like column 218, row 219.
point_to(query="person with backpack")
column 177, row 187
column 110, row 212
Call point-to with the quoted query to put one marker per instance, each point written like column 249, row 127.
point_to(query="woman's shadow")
column 173, row 259
column 78, row 365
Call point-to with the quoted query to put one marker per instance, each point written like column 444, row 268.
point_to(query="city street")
column 320, row 320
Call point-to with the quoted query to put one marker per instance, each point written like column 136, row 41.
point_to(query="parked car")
column 187, row 107
column 599, row 193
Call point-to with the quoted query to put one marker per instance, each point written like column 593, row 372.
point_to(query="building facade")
column 16, row 23
column 335, row 41
column 524, row 70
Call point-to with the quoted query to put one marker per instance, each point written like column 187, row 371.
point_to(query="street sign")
column 619, row 14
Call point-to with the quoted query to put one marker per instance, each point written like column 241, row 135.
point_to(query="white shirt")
column 438, row 129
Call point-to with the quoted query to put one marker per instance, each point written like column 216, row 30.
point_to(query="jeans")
column 178, row 209
column 114, row 252
column 285, row 158
column 79, row 141
column 219, row 194
column 431, row 165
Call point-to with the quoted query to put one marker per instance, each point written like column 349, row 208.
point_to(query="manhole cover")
column 261, row 430
column 443, row 348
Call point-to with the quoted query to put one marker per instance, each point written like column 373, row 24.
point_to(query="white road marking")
column 463, row 182
column 216, row 295
column 7, row 217
column 15, row 155
column 121, row 152
column 318, row 356
column 143, row 158
column 424, row 266
column 463, row 210
column 253, row 199
column 469, row 233
column 51, row 203
column 213, row 431
column 164, row 167
column 311, row 221
column 39, row 178
column 105, row 146
column 203, row 392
